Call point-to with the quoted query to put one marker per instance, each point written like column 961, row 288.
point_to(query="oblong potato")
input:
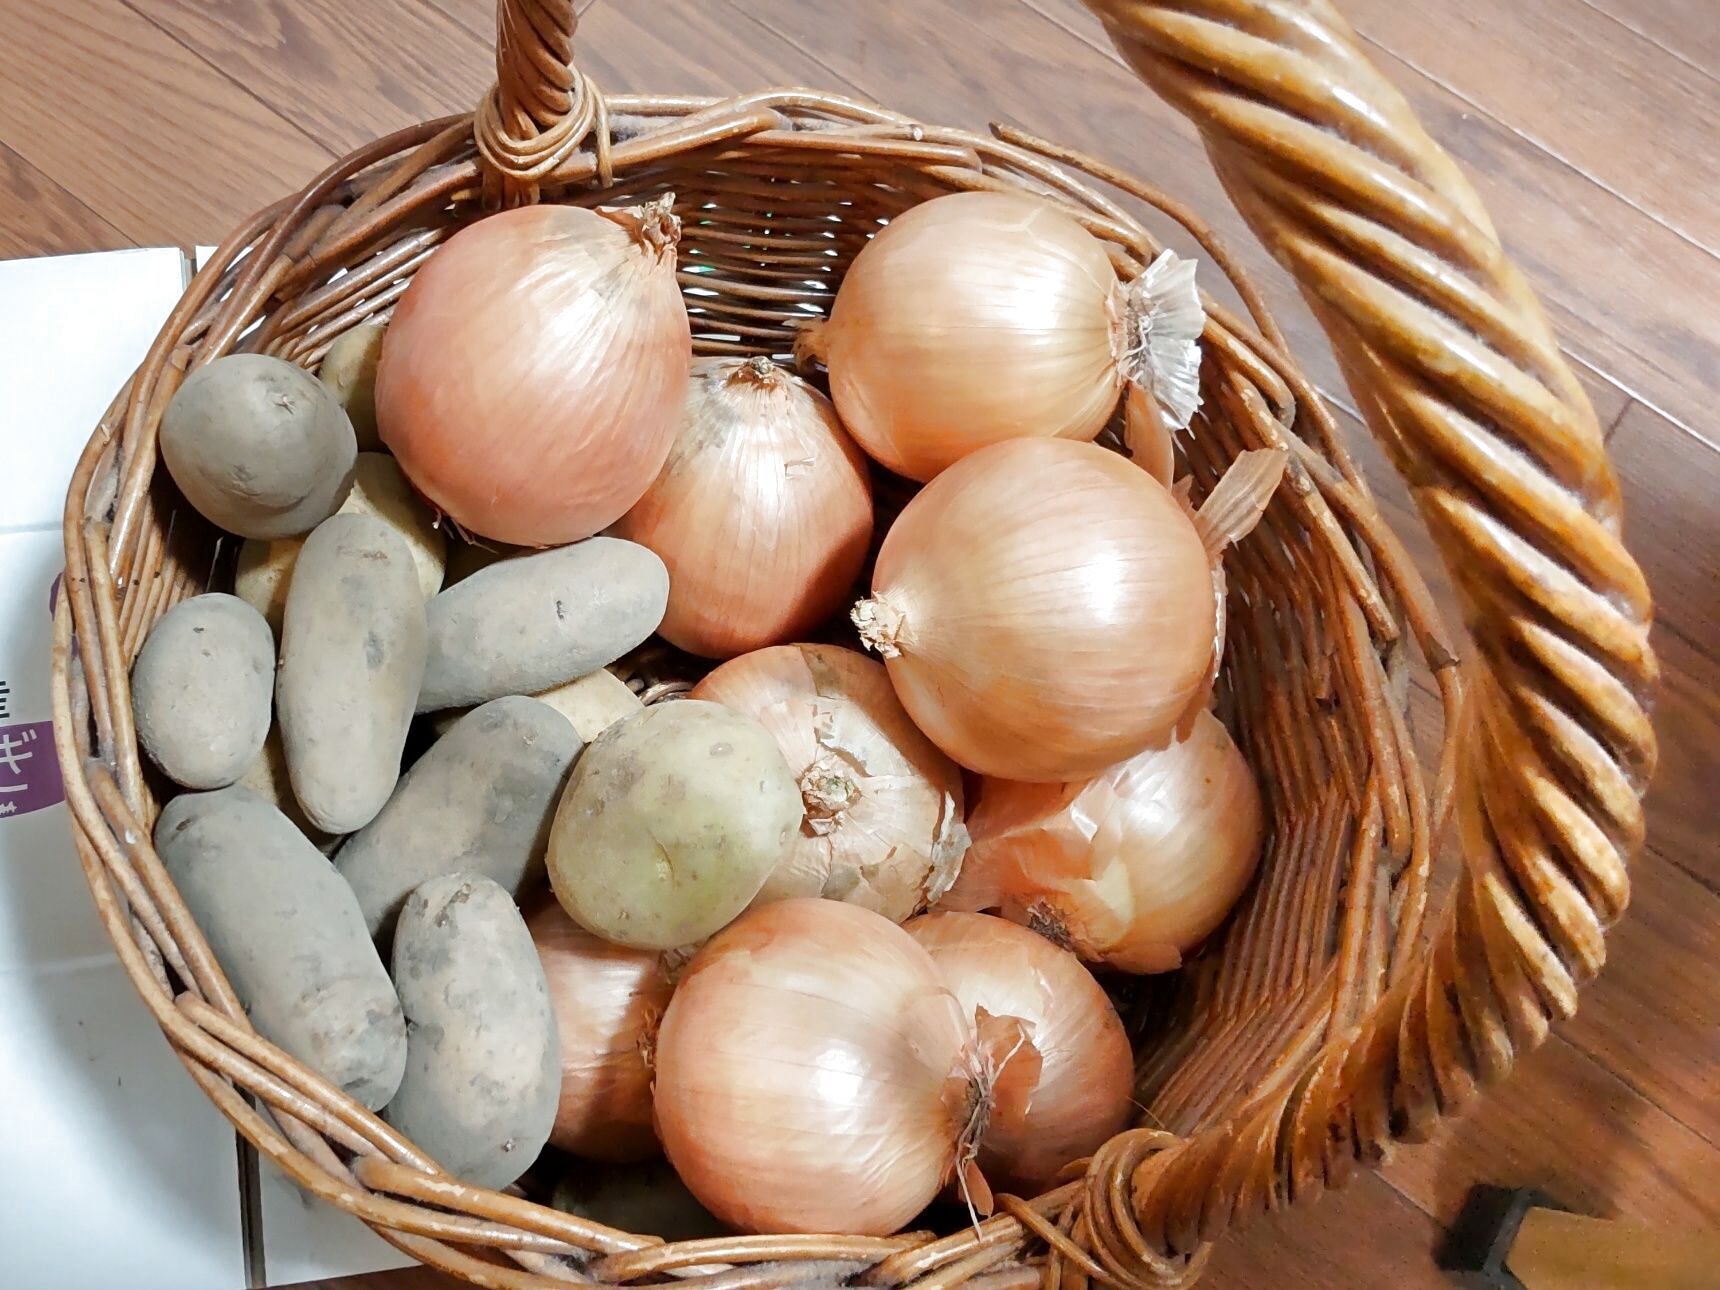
column 592, row 702
column 258, row 446
column 349, row 369
column 525, row 624
column 483, row 1075
column 201, row 690
column 352, row 658
column 671, row 822
column 288, row 934
column 479, row 802
column 269, row 779
column 265, row 569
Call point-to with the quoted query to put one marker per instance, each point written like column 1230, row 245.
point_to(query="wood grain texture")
column 1501, row 57
column 188, row 114
column 167, row 147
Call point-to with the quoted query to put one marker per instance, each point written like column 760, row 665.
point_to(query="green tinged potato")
column 288, row 934
column 525, row 624
column 479, row 802
column 201, row 690
column 352, row 658
column 671, row 822
column 260, row 447
column 265, row 569
column 349, row 370
column 483, row 1069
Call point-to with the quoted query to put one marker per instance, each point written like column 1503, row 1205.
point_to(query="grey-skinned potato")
column 480, row 801
column 260, row 447
column 287, row 932
column 202, row 690
column 525, row 624
column 352, row 659
column 672, row 820
column 483, row 1070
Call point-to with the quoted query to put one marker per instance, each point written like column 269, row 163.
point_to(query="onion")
column 1085, row 1071
column 532, row 376
column 979, row 316
column 607, row 1000
column 815, row 1075
column 762, row 513
column 1044, row 608
column 1132, row 868
column 883, row 826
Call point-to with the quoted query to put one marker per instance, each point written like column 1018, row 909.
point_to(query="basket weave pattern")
column 1338, row 1013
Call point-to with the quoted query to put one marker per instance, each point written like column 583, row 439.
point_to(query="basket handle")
column 1452, row 363
column 541, row 108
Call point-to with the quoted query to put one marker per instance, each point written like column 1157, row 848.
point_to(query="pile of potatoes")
column 369, row 919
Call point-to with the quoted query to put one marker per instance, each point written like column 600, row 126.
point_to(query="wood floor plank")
column 38, row 217
column 671, row 47
column 1502, row 58
column 344, row 73
column 1684, row 28
column 143, row 132
column 1625, row 293
column 1567, row 1125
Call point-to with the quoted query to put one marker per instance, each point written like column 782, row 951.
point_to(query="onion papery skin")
column 969, row 319
column 803, row 1071
column 762, row 512
column 1086, row 1074
column 1045, row 609
column 608, row 1000
column 1133, row 868
column 532, row 376
column 883, row 826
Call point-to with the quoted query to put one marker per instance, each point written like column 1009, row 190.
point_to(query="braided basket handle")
column 541, row 108
column 1452, row 363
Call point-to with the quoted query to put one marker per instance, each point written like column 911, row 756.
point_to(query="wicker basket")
column 1336, row 1014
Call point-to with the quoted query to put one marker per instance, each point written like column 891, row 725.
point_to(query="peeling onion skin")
column 802, row 1072
column 1132, row 868
column 969, row 319
column 1086, row 1076
column 532, row 375
column 1045, row 609
column 608, row 1000
column 762, row 512
column 883, row 826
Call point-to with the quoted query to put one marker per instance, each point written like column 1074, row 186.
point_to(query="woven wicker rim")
column 1335, row 1016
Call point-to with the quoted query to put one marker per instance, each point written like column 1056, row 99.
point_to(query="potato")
column 479, row 802
column 526, row 624
column 592, row 703
column 258, row 446
column 378, row 489
column 671, row 822
column 267, row 777
column 288, row 934
column 483, row 1074
column 349, row 369
column 352, row 658
column 201, row 690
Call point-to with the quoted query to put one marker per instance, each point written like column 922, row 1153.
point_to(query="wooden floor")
column 1588, row 126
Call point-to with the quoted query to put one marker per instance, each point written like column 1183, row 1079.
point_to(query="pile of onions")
column 531, row 379
column 883, row 826
column 762, row 513
column 1084, row 1068
column 980, row 316
column 608, row 1000
column 1045, row 609
column 815, row 1075
column 1132, row 868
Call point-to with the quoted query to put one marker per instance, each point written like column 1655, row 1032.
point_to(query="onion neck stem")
column 826, row 793
column 880, row 626
column 653, row 224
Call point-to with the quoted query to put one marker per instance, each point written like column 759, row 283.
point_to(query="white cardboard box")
column 114, row 1167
